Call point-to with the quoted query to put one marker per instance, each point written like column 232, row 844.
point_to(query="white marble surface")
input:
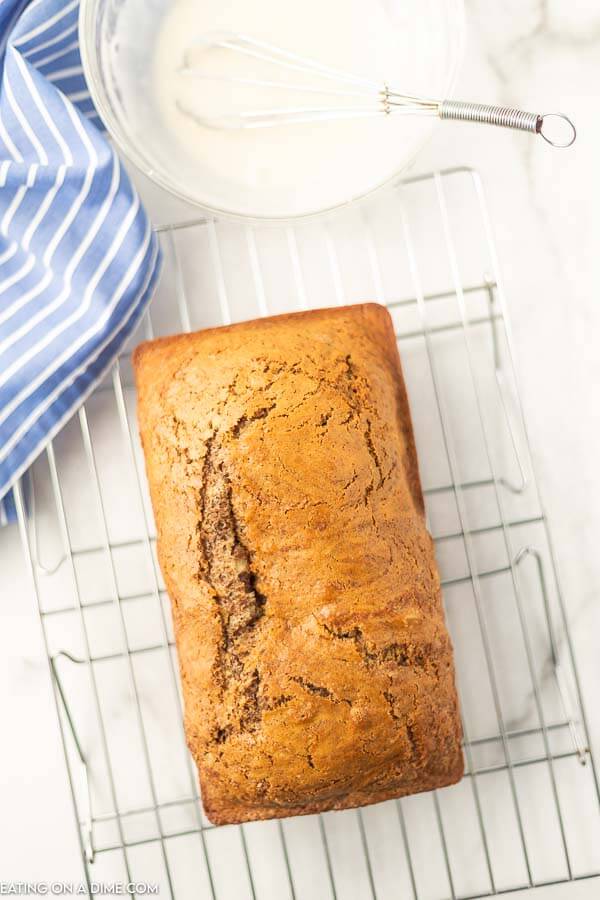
column 544, row 205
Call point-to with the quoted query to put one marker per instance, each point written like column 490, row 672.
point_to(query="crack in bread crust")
column 225, row 563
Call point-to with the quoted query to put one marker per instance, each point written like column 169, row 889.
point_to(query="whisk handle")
column 506, row 117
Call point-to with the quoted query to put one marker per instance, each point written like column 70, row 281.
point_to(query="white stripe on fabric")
column 17, row 200
column 9, row 253
column 17, row 276
column 34, row 224
column 38, row 411
column 64, row 294
column 76, row 206
column 101, row 373
column 71, row 350
column 83, row 194
column 78, row 96
column 66, row 223
column 7, row 141
column 12, row 209
column 65, row 73
column 58, row 54
column 66, row 152
column 46, row 25
column 52, row 41
column 67, row 279
column 78, row 259
column 24, row 123
column 45, row 206
column 34, row 3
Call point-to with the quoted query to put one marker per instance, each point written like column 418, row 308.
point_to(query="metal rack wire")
column 426, row 250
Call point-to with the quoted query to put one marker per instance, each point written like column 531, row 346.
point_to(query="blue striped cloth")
column 78, row 258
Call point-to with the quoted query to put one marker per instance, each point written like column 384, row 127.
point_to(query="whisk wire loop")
column 386, row 100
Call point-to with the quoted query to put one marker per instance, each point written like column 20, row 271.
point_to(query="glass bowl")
column 273, row 173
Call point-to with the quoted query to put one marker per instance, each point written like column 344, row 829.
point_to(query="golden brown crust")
column 316, row 666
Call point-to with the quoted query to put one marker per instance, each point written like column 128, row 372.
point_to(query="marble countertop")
column 545, row 208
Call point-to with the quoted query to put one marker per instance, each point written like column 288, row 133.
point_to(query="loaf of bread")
column 316, row 666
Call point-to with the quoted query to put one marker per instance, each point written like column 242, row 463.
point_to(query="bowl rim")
column 87, row 30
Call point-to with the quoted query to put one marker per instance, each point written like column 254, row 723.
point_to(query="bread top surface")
column 313, row 650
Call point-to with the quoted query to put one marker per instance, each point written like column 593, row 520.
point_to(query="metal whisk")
column 355, row 97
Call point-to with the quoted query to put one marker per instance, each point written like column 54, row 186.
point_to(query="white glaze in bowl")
column 131, row 50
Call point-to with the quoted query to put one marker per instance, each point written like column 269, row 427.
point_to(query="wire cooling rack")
column 424, row 249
